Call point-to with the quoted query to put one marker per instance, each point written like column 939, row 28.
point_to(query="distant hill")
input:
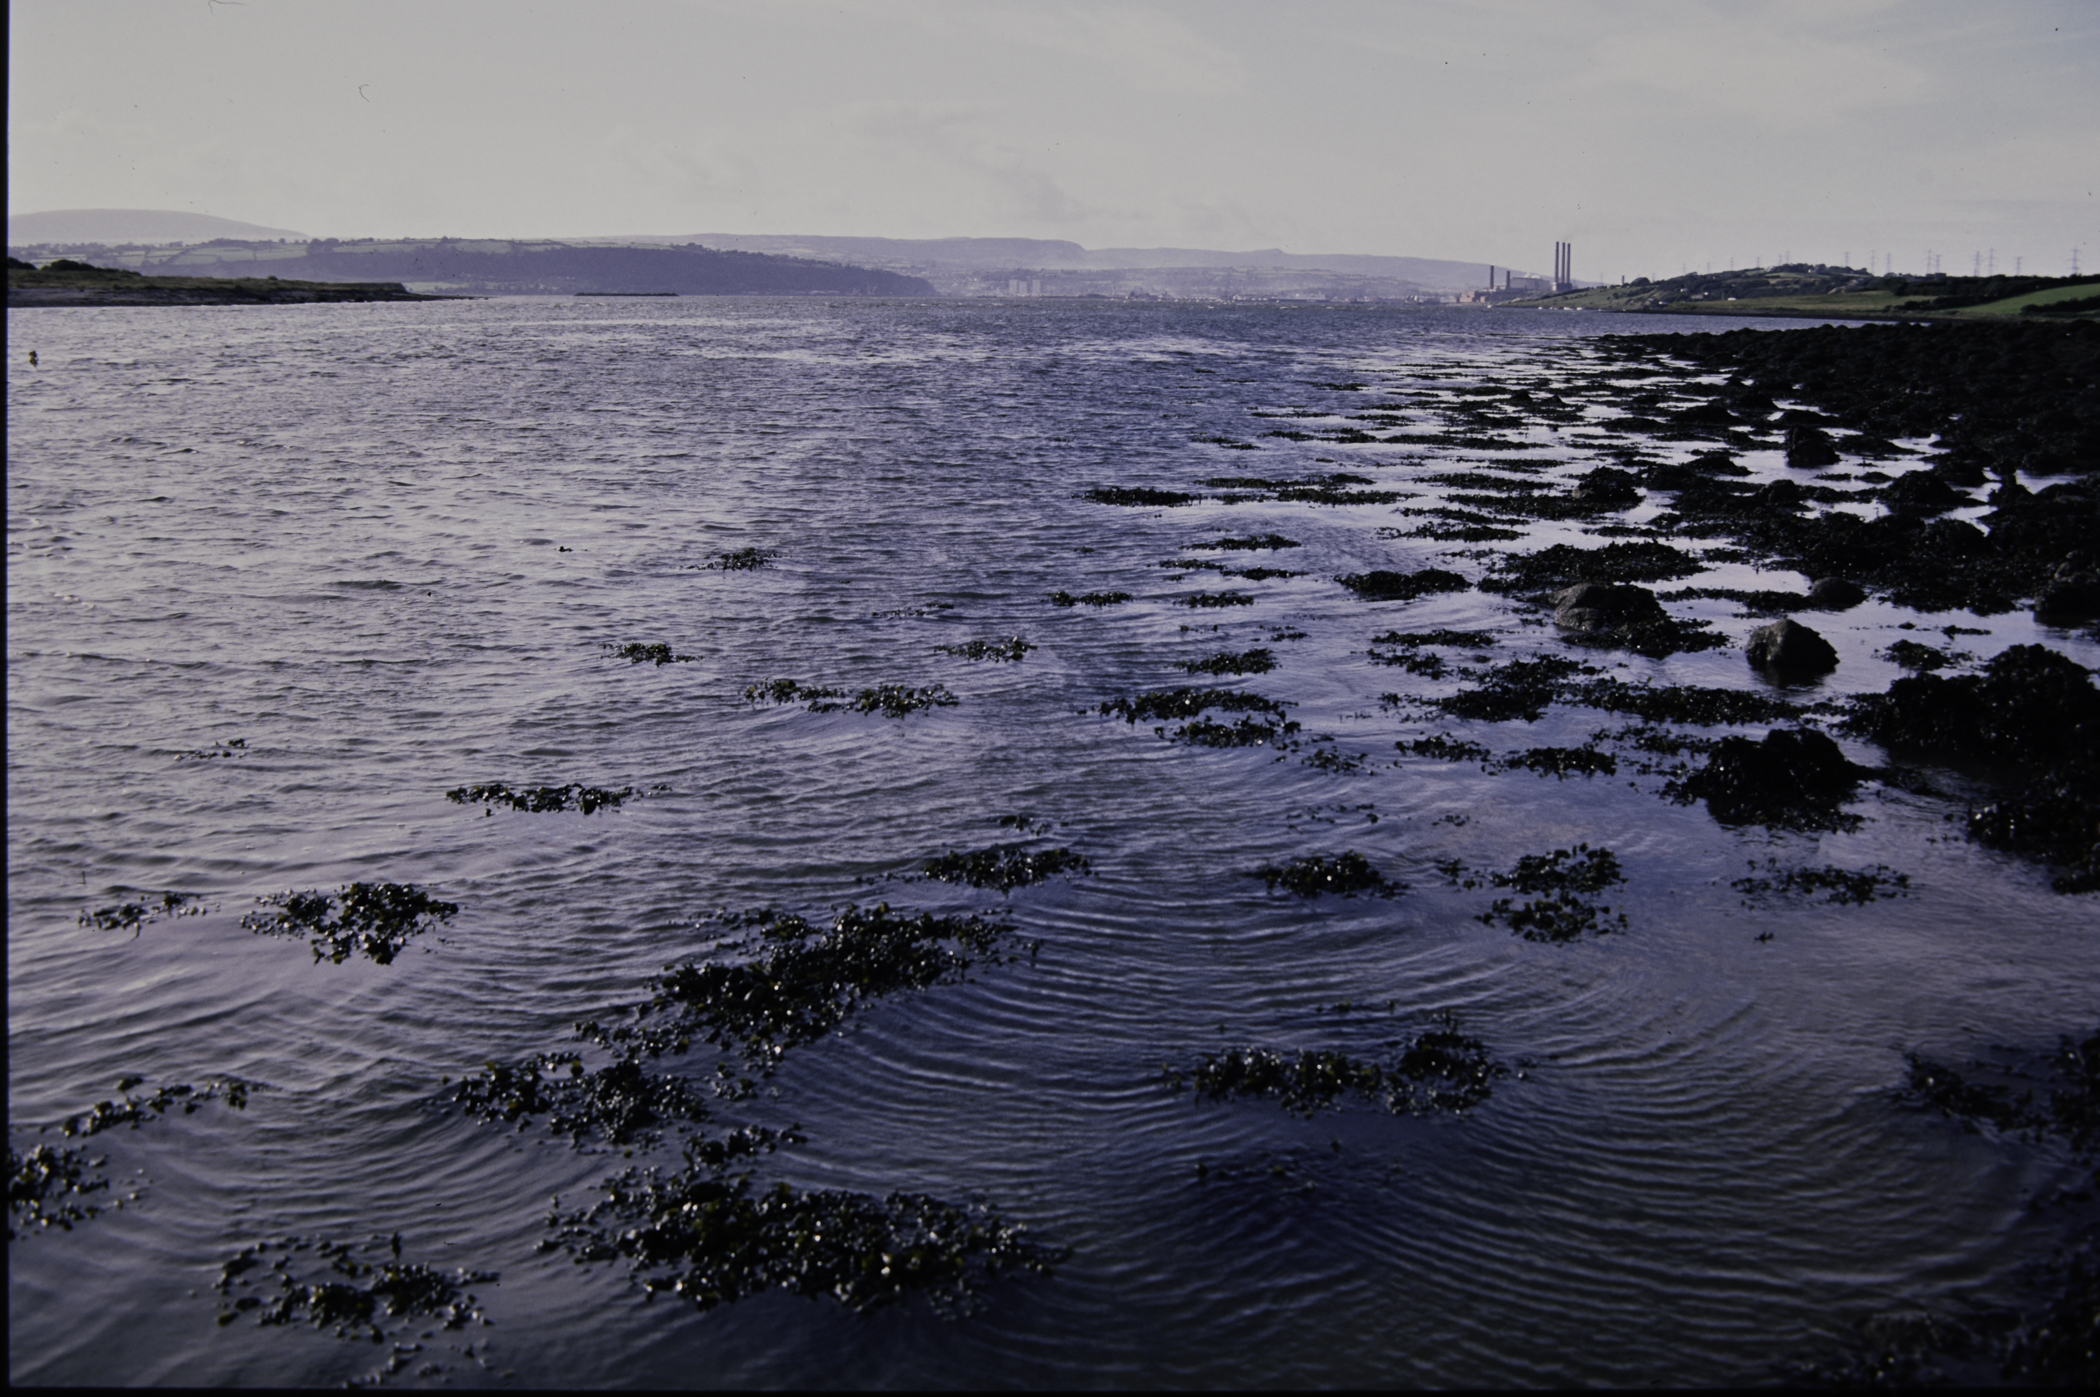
column 503, row 268
column 116, row 227
column 952, row 263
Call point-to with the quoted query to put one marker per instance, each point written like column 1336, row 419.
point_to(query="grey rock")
column 1790, row 648
column 1835, row 594
column 1592, row 607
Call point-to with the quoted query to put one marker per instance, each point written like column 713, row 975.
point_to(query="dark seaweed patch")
column 133, row 1110
column 1563, row 565
column 1346, row 874
column 1006, row 866
column 1256, row 541
column 540, row 800
column 711, row 1240
column 1680, row 703
column 1089, row 599
column 1563, row 762
column 620, row 1102
column 1657, row 638
column 1427, row 666
column 890, row 700
column 742, row 560
column 2065, row 1106
column 1339, row 763
column 1446, row 531
column 1515, row 689
column 372, row 919
column 913, row 612
column 1445, row 748
column 1246, row 662
column 1913, row 656
column 797, row 982
column 1217, row 599
column 1012, row 649
column 1187, row 703
column 1470, row 640
column 1757, row 603
column 49, row 1186
column 1262, row 574
column 1136, row 496
column 347, row 1293
column 1858, row 886
column 1247, row 732
column 636, row 653
column 133, row 915
column 232, row 747
column 1439, row 1071
column 1560, row 885
column 1382, row 585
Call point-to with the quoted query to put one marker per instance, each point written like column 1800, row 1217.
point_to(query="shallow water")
column 386, row 548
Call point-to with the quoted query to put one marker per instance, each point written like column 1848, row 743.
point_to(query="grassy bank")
column 1823, row 292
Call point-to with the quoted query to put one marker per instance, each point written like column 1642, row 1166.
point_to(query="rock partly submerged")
column 1789, row 650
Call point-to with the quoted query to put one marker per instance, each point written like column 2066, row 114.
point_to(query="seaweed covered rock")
column 2055, row 818
column 2029, row 704
column 1790, row 650
column 1809, row 448
column 1835, row 594
column 1796, row 778
column 1608, row 488
column 2072, row 596
column 1923, row 492
column 1591, row 607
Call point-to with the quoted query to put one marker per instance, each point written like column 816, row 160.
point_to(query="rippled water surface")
column 280, row 578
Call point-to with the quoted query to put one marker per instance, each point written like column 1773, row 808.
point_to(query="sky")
column 1655, row 137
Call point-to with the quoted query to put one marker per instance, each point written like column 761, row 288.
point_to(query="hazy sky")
column 1651, row 135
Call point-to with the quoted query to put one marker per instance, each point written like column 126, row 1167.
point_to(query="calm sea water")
column 385, row 547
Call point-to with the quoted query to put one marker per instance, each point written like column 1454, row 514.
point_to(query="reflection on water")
column 283, row 580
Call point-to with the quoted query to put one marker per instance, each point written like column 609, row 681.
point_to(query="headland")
column 70, row 283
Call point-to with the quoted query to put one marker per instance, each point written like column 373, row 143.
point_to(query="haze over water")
column 385, row 548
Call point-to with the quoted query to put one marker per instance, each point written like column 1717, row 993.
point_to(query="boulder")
column 1835, row 594
column 1809, row 448
column 1589, row 608
column 1790, row 648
